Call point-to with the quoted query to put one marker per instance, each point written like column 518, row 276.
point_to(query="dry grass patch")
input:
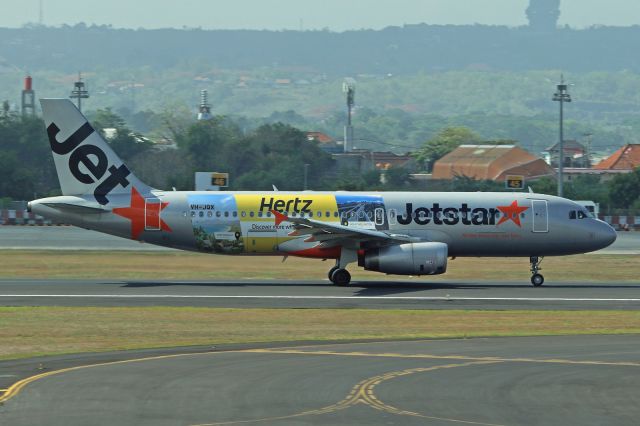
column 184, row 265
column 31, row 331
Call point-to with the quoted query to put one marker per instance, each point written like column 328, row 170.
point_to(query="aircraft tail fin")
column 85, row 162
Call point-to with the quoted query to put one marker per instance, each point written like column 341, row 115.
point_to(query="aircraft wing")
column 331, row 235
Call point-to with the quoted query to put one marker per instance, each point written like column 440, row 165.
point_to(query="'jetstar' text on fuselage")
column 448, row 215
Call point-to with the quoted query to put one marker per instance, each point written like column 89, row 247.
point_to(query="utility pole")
column 562, row 95
column 306, row 175
column 349, row 89
column 79, row 92
column 589, row 137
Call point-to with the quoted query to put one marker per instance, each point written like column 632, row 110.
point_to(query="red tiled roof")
column 626, row 158
column 489, row 162
column 319, row 137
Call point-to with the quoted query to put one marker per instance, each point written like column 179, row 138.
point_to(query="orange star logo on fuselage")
column 512, row 213
column 139, row 215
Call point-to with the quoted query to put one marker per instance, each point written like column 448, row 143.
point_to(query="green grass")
column 184, row 265
column 34, row 331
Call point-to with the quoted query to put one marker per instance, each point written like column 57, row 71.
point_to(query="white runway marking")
column 390, row 298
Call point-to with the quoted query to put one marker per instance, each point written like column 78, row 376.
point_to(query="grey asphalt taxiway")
column 568, row 380
column 320, row 294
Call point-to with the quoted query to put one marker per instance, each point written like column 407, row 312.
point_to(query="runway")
column 578, row 380
column 320, row 294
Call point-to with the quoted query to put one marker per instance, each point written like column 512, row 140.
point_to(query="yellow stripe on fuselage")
column 291, row 203
column 260, row 232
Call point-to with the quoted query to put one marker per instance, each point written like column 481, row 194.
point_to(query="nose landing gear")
column 536, row 278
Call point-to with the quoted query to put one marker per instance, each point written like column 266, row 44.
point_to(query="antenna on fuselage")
column 274, row 188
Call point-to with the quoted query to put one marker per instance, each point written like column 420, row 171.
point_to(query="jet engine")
column 407, row 259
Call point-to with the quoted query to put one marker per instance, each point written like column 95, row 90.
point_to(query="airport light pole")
column 349, row 89
column 562, row 95
column 306, row 174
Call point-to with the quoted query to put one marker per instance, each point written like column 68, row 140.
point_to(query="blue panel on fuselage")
column 360, row 210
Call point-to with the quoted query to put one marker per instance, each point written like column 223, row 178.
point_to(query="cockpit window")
column 578, row 214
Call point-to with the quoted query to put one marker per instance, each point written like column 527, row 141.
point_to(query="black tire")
column 331, row 271
column 341, row 277
column 537, row 280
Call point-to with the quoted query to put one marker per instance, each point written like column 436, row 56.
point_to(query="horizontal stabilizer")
column 73, row 208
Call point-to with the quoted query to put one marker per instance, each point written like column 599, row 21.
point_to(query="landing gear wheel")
column 332, row 270
column 341, row 277
column 537, row 280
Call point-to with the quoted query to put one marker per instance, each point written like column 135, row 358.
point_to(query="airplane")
column 401, row 233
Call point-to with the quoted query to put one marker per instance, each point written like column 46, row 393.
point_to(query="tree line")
column 258, row 158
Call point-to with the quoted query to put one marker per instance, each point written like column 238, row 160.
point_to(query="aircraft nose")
column 606, row 235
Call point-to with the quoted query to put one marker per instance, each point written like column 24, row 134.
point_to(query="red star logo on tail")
column 511, row 212
column 139, row 215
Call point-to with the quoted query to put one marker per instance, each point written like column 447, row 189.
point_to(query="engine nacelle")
column 407, row 259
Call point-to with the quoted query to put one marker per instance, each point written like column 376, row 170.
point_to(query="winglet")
column 279, row 217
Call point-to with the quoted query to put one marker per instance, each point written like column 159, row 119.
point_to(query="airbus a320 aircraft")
column 403, row 233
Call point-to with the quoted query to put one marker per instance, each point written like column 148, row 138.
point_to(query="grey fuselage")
column 471, row 224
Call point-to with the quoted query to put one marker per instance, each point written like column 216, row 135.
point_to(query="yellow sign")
column 515, row 182
column 220, row 179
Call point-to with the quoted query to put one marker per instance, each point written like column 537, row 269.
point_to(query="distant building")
column 569, row 174
column 626, row 158
column 491, row 162
column 363, row 160
column 325, row 142
column 575, row 155
column 543, row 15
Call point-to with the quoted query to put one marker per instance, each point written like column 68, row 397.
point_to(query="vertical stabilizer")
column 85, row 163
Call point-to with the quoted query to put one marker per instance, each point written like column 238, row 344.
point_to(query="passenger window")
column 218, row 214
column 243, row 214
column 259, row 214
column 572, row 214
column 201, row 214
column 268, row 214
column 209, row 213
column 193, row 213
column 392, row 216
column 252, row 214
column 226, row 214
column 235, row 214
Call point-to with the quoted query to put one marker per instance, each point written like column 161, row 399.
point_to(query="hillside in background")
column 412, row 80
column 396, row 50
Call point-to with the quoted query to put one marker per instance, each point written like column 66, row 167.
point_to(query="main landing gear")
column 340, row 277
column 536, row 279
column 338, row 274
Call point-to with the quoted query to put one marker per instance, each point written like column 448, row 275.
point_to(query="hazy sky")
column 337, row 15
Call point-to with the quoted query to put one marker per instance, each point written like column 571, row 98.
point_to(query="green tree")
column 624, row 189
column 125, row 143
column 546, row 185
column 587, row 187
column 443, row 143
column 396, row 178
